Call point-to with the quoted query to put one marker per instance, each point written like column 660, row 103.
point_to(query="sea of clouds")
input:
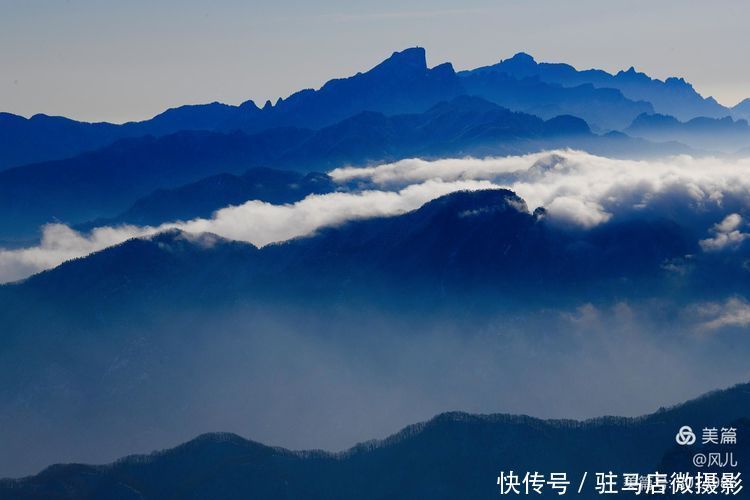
column 578, row 189
column 627, row 357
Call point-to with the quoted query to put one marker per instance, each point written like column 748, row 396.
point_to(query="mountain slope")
column 202, row 198
column 673, row 96
column 454, row 455
column 45, row 138
column 180, row 328
column 742, row 110
column 447, row 246
column 463, row 126
column 42, row 138
column 603, row 108
column 402, row 84
column 106, row 182
column 709, row 134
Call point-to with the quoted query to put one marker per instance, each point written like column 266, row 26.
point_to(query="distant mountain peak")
column 568, row 125
column 174, row 239
column 523, row 57
column 411, row 59
column 249, row 105
column 676, row 80
column 444, row 69
column 673, row 96
column 742, row 109
column 654, row 119
column 521, row 64
column 633, row 74
column 467, row 203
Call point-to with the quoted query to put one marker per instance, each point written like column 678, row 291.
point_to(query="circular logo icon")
column 686, row 436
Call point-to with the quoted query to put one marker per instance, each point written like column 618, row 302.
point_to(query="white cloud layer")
column 726, row 234
column 255, row 222
column 734, row 312
column 575, row 187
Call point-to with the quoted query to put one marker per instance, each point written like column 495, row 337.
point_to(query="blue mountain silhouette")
column 402, row 84
column 106, row 182
column 453, row 455
column 467, row 256
column 448, row 247
column 202, row 198
column 673, row 96
column 742, row 110
column 709, row 134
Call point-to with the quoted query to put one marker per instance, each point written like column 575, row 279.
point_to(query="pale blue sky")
column 123, row 60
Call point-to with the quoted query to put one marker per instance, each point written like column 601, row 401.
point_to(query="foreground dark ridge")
column 454, row 455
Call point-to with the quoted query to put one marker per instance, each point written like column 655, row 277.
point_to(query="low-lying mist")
column 333, row 376
column 627, row 294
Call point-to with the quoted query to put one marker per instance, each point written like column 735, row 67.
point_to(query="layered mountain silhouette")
column 111, row 342
column 465, row 246
column 402, row 84
column 742, row 110
column 43, row 138
column 673, row 96
column 463, row 251
column 106, row 182
column 454, row 455
column 603, row 108
column 471, row 301
column 709, row 134
column 202, row 198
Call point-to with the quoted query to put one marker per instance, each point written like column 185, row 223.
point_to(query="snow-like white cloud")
column 578, row 186
column 263, row 223
column 734, row 311
column 726, row 234
column 255, row 222
column 58, row 244
column 708, row 194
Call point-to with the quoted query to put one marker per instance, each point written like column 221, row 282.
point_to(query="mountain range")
column 103, row 183
column 673, row 96
column 43, row 138
column 742, row 110
column 202, row 198
column 722, row 135
column 402, row 84
column 314, row 284
column 76, row 173
column 150, row 340
column 454, row 455
column 442, row 249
